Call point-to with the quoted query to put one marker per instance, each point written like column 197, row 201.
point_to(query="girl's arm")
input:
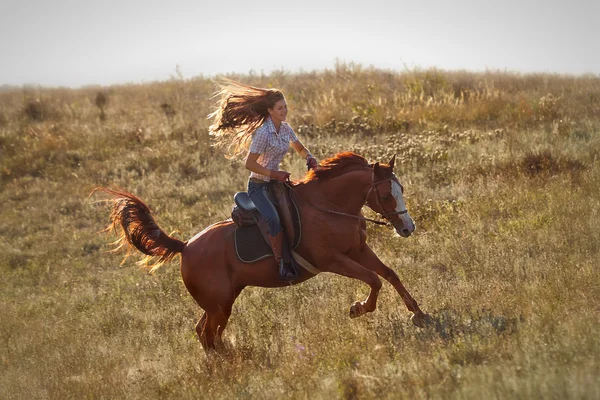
column 254, row 166
column 311, row 162
column 300, row 149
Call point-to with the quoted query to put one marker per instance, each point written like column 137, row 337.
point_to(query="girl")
column 252, row 120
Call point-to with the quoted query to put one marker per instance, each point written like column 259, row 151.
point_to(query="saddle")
column 251, row 240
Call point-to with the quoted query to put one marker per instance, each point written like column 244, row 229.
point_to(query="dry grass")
column 502, row 178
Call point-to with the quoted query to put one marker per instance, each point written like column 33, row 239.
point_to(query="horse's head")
column 386, row 198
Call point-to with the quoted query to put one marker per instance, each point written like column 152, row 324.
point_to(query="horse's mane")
column 335, row 166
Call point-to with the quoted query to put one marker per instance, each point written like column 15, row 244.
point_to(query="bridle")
column 374, row 185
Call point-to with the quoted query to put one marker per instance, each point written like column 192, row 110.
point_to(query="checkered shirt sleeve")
column 293, row 137
column 260, row 141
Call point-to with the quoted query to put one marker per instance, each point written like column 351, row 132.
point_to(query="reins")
column 360, row 217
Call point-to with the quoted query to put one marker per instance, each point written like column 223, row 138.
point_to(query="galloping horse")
column 333, row 240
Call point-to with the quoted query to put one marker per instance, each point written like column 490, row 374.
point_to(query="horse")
column 330, row 200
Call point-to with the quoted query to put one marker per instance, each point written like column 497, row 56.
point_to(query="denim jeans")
column 259, row 194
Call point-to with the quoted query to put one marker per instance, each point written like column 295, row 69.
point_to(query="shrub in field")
column 535, row 163
column 549, row 108
column 168, row 110
column 101, row 101
column 34, row 110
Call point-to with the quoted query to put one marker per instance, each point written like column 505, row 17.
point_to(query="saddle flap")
column 242, row 200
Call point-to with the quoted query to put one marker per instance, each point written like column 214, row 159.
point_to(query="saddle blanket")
column 251, row 247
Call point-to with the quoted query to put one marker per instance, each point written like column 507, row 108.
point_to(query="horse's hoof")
column 421, row 320
column 357, row 310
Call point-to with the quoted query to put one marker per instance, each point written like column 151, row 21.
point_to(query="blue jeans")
column 259, row 194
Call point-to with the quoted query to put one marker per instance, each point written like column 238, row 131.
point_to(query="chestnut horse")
column 334, row 236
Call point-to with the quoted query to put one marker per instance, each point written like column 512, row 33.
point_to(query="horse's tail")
column 132, row 222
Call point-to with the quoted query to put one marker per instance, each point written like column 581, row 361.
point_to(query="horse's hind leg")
column 210, row 328
column 213, row 322
column 370, row 260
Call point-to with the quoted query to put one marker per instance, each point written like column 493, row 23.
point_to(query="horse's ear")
column 392, row 161
column 378, row 170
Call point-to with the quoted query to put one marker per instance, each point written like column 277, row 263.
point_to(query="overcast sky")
column 80, row 42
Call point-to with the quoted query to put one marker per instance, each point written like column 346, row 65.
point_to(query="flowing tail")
column 132, row 222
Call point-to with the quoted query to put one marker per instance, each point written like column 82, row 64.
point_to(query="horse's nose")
column 405, row 232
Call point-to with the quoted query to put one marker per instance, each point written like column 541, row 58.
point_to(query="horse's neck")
column 345, row 193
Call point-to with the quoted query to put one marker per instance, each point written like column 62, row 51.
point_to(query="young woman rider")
column 251, row 121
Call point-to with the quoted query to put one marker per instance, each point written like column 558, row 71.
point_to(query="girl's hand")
column 311, row 163
column 281, row 176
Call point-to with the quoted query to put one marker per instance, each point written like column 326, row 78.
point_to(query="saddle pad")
column 250, row 245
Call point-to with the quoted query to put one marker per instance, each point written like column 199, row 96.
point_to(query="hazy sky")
column 79, row 42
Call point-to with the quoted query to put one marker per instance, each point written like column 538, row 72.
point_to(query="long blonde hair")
column 240, row 111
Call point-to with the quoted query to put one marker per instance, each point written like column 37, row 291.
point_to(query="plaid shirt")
column 271, row 146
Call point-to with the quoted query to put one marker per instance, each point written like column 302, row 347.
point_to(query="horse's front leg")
column 369, row 260
column 345, row 266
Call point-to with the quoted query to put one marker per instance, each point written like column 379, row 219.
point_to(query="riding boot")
column 287, row 268
column 286, row 271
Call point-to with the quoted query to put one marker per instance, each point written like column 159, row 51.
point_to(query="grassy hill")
column 502, row 176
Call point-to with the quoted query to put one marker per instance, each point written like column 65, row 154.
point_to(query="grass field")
column 501, row 174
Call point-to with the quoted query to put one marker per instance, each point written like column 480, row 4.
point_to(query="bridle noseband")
column 374, row 185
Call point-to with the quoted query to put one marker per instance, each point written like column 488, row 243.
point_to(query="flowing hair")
column 241, row 109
